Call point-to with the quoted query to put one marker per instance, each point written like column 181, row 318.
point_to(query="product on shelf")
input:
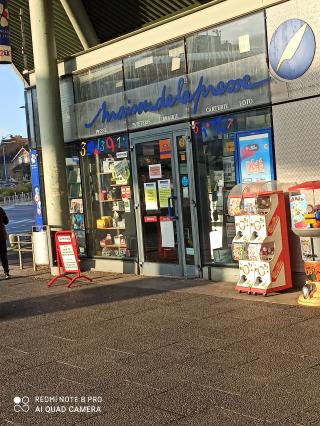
column 261, row 241
column 305, row 220
column 111, row 212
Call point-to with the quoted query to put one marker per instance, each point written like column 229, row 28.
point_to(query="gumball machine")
column 261, row 241
column 305, row 221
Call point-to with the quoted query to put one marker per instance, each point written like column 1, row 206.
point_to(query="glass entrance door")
column 165, row 203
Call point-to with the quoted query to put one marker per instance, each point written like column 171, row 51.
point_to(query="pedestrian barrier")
column 22, row 243
column 17, row 199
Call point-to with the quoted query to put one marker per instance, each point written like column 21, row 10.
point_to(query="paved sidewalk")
column 157, row 351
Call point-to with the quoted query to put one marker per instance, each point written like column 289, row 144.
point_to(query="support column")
column 81, row 23
column 50, row 117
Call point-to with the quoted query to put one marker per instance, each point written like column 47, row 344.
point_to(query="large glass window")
column 75, row 197
column 236, row 52
column 152, row 79
column 99, row 86
column 108, row 197
column 214, row 145
column 101, row 81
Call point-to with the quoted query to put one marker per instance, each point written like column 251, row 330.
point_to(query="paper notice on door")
column 150, row 196
column 164, row 189
column 155, row 171
column 167, row 232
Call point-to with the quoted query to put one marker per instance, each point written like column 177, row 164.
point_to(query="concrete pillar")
column 50, row 117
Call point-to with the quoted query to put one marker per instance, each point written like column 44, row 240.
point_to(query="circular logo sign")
column 292, row 49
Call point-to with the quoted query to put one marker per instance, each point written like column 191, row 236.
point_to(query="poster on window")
column 150, row 196
column 254, row 151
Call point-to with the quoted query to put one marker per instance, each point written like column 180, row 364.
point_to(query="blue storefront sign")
column 34, row 165
column 5, row 48
column 182, row 95
column 254, row 156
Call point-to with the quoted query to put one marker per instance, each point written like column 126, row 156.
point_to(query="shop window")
column 228, row 59
column 100, row 81
column 75, row 197
column 214, row 142
column 109, row 197
column 152, row 79
column 99, row 93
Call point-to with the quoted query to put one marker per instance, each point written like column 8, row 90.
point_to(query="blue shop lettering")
column 182, row 96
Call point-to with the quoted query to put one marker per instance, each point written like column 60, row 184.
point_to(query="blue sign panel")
column 181, row 95
column 5, row 49
column 254, row 156
column 34, row 165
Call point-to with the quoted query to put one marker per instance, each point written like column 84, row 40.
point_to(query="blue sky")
column 12, row 118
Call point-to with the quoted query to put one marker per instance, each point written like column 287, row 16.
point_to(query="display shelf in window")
column 76, row 202
column 112, row 214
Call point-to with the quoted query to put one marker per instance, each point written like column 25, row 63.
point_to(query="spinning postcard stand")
column 261, row 241
column 305, row 221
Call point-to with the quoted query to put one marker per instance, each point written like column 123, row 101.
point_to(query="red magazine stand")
column 67, row 258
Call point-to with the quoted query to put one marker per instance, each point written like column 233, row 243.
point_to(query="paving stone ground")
column 156, row 353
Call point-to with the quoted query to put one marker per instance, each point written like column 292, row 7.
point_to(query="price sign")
column 67, row 257
column 66, row 248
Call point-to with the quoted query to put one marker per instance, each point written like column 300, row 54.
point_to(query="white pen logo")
column 21, row 404
column 292, row 49
column 292, row 46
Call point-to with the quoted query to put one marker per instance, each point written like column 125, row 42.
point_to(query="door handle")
column 170, row 207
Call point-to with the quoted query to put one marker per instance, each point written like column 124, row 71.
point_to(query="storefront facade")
column 156, row 139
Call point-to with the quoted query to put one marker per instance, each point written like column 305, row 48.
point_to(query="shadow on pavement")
column 68, row 300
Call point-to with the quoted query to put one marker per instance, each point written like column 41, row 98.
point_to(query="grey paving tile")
column 219, row 417
column 137, row 415
column 268, row 406
column 276, row 365
column 309, row 416
column 221, row 359
column 189, row 398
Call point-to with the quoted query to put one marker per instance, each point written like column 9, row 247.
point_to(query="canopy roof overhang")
column 108, row 20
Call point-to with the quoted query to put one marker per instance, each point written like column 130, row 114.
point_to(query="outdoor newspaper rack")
column 67, row 258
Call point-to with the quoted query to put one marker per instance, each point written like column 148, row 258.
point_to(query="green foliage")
column 23, row 187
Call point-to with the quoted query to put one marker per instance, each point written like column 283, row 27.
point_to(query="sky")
column 12, row 118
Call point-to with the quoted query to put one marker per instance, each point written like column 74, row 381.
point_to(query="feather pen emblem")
column 292, row 46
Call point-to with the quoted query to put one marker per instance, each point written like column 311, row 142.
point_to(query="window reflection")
column 214, row 145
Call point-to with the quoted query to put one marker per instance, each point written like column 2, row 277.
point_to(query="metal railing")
column 22, row 243
column 24, row 197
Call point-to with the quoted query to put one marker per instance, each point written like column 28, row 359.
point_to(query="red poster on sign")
column 165, row 149
column 67, row 258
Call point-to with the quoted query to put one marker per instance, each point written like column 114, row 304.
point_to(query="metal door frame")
column 181, row 268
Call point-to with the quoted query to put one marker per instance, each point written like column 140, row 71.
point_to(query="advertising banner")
column 34, row 165
column 255, row 157
column 5, row 48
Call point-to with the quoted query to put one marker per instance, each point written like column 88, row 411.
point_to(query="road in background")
column 21, row 218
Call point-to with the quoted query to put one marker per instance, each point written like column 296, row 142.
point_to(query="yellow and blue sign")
column 292, row 49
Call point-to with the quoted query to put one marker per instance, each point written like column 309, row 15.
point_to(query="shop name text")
column 182, row 96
